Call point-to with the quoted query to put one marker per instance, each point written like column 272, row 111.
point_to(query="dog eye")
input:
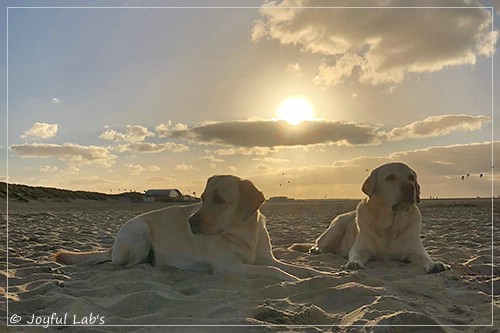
column 411, row 178
column 390, row 178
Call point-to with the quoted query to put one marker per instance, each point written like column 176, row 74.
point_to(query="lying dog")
column 386, row 225
column 226, row 231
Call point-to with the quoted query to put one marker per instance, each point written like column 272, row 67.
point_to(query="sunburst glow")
column 295, row 109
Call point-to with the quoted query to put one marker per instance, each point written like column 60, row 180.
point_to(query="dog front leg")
column 358, row 257
column 328, row 241
column 420, row 257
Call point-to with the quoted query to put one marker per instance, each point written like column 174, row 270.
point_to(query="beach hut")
column 167, row 195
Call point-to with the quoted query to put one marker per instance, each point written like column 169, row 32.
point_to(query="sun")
column 295, row 109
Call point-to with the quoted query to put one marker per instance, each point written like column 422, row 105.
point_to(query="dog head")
column 226, row 200
column 394, row 184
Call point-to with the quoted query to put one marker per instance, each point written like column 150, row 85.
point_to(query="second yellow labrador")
column 385, row 226
column 226, row 232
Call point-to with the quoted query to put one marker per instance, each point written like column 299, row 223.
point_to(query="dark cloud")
column 279, row 133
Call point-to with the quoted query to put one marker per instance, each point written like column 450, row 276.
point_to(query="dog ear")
column 417, row 189
column 370, row 183
column 250, row 199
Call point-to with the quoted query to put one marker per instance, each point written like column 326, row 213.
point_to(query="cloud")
column 146, row 147
column 164, row 130
column 437, row 126
column 452, row 160
column 267, row 133
column 271, row 160
column 258, row 151
column 185, row 167
column 439, row 161
column 379, row 46
column 49, row 168
column 73, row 153
column 135, row 169
column 294, row 69
column 160, row 179
column 330, row 75
column 263, row 167
column 71, row 170
column 134, row 133
column 212, row 158
column 41, row 130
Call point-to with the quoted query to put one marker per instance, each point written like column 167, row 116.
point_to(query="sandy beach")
column 458, row 232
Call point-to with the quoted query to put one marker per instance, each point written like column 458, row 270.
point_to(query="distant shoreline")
column 27, row 193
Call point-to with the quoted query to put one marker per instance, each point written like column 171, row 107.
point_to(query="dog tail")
column 301, row 247
column 90, row 257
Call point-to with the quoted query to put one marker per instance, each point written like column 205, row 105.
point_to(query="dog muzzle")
column 403, row 205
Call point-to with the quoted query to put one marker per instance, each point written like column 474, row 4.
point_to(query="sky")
column 301, row 99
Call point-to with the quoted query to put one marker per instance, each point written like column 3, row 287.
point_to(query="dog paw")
column 355, row 264
column 436, row 267
column 315, row 250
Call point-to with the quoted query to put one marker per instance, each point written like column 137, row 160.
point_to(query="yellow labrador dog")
column 385, row 226
column 226, row 231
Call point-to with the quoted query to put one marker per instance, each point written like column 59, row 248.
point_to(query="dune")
column 380, row 299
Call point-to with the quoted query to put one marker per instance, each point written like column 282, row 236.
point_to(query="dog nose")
column 194, row 223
